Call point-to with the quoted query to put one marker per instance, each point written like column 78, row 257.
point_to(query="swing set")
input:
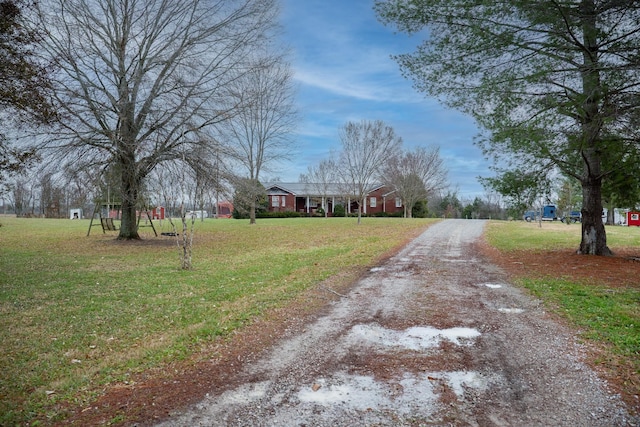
column 108, row 212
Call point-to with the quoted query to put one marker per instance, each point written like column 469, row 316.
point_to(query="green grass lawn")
column 520, row 235
column 80, row 312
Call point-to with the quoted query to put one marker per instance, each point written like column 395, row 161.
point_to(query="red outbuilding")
column 158, row 212
column 633, row 218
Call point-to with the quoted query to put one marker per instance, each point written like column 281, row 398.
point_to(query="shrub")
column 287, row 214
column 420, row 209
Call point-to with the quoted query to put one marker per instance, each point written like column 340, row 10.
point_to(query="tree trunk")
column 187, row 242
column 129, row 223
column 252, row 210
column 130, row 190
column 594, row 237
column 611, row 214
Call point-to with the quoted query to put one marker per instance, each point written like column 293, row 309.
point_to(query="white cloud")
column 338, row 82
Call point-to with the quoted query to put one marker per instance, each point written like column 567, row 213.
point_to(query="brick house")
column 383, row 199
column 308, row 198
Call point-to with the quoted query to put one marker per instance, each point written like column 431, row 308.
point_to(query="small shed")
column 75, row 213
column 224, row 210
column 633, row 218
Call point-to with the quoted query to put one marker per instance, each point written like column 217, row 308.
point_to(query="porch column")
column 333, row 204
column 307, row 204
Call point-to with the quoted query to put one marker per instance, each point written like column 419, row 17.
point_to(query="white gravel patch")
column 414, row 338
column 511, row 310
column 491, row 285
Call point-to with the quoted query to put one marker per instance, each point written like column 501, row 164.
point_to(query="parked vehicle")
column 573, row 217
column 197, row 214
column 548, row 214
column 530, row 216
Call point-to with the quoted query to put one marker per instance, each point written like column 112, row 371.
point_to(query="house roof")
column 303, row 189
column 296, row 188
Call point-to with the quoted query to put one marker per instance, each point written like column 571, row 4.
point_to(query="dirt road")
column 434, row 336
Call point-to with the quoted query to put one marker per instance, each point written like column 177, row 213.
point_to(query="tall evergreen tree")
column 549, row 80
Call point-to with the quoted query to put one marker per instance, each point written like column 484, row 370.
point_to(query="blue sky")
column 343, row 71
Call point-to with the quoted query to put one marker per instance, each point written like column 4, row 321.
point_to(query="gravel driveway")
column 434, row 336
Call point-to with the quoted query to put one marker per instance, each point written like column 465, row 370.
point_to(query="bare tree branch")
column 415, row 175
column 260, row 131
column 366, row 146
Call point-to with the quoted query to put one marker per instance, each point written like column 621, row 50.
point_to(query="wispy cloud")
column 338, row 81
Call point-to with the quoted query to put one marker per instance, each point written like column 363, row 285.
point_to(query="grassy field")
column 77, row 312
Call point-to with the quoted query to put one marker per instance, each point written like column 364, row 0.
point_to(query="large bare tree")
column 414, row 175
column 366, row 147
column 260, row 132
column 322, row 179
column 139, row 81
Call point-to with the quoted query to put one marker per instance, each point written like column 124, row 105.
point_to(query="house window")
column 372, row 202
column 283, row 201
column 275, row 201
column 398, row 202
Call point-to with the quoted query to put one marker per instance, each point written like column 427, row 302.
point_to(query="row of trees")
column 152, row 90
column 50, row 195
column 371, row 154
column 554, row 84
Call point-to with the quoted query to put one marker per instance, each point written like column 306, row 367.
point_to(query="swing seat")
column 108, row 225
